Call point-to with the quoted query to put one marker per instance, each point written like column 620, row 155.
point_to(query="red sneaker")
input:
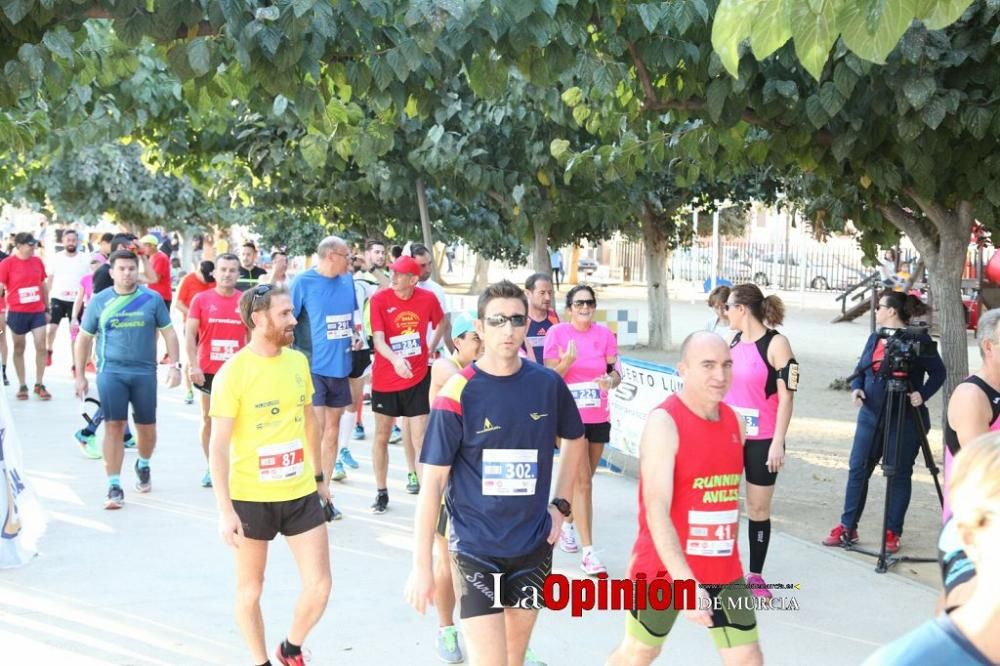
column 891, row 541
column 297, row 660
column 837, row 536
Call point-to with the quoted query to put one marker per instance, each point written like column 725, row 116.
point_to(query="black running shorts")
column 413, row 401
column 206, row 388
column 597, row 433
column 755, row 462
column 60, row 309
column 523, row 580
column 265, row 520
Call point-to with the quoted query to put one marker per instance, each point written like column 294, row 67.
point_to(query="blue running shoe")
column 338, row 471
column 129, row 442
column 206, row 481
column 346, row 458
column 88, row 445
column 359, row 432
column 447, row 646
column 396, row 436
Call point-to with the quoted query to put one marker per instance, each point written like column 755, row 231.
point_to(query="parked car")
column 587, row 265
column 770, row 270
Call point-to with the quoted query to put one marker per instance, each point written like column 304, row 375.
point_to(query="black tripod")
column 895, row 408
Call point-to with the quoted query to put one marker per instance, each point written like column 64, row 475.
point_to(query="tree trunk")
column 482, row 276
column 541, row 248
column 425, row 227
column 655, row 249
column 942, row 245
column 569, row 272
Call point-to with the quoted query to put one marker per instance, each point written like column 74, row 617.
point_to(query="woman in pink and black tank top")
column 765, row 376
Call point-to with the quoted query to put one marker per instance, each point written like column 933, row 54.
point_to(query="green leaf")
column 435, row 134
column 845, row 79
column 397, row 61
column 976, row 120
column 550, row 7
column 650, row 15
column 831, row 99
column 267, row 14
column 314, row 149
column 786, row 89
column 934, row 113
column 715, row 98
column 572, row 97
column 814, row 29
column 16, row 10
column 199, row 56
column 279, row 106
column 873, row 36
column 815, row 112
column 942, row 13
column 580, row 114
column 558, row 148
column 729, row 29
column 518, row 193
column 771, row 28
column 59, row 41
column 300, row 7
column 604, row 82
column 918, row 91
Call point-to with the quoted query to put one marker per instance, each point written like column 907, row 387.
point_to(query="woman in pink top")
column 585, row 354
column 765, row 375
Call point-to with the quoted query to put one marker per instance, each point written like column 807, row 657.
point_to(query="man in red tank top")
column 690, row 467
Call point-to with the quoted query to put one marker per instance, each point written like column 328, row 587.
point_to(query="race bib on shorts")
column 510, row 471
column 751, row 417
column 711, row 533
column 222, row 350
column 29, row 295
column 586, row 394
column 338, row 327
column 278, row 462
column 406, row 345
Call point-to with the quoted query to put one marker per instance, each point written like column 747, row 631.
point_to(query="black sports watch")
column 562, row 506
column 319, row 478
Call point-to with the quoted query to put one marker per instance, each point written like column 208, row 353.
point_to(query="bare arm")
column 173, row 346
column 82, row 349
column 969, row 413
column 77, row 306
column 420, row 585
column 438, row 334
column 191, row 348
column 446, row 333
column 218, row 461
column 180, row 307
column 441, row 371
column 383, row 348
column 147, row 270
column 780, row 354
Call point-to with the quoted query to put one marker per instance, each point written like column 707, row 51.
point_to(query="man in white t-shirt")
column 423, row 256
column 65, row 270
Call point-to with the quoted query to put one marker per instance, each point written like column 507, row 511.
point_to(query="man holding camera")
column 924, row 376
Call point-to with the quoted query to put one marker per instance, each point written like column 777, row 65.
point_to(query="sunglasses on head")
column 497, row 321
column 258, row 292
column 588, row 302
column 729, row 306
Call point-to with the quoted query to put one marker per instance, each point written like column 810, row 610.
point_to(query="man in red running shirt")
column 22, row 281
column 690, row 467
column 400, row 317
column 213, row 334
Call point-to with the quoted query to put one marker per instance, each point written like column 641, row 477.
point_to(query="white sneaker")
column 567, row 541
column 591, row 565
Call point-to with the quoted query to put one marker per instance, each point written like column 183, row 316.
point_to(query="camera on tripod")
column 903, row 346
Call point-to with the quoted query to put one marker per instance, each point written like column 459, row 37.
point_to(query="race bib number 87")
column 278, row 462
column 510, row 471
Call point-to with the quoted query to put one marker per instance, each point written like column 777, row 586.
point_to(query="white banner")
column 21, row 515
column 644, row 386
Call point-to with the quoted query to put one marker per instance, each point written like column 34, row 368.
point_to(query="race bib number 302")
column 278, row 462
column 510, row 471
column 711, row 533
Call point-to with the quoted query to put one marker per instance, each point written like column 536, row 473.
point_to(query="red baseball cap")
column 406, row 265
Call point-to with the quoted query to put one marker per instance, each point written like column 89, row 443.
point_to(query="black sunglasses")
column 497, row 321
column 590, row 302
column 728, row 306
column 258, row 292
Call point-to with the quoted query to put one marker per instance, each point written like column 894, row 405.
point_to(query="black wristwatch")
column 562, row 506
column 319, row 478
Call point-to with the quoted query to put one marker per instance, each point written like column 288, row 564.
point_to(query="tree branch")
column 910, row 226
column 643, row 74
column 935, row 212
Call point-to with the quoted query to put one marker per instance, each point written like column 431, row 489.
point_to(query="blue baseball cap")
column 462, row 324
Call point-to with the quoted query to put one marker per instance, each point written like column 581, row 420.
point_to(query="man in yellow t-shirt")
column 264, row 455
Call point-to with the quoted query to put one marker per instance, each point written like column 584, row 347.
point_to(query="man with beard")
column 541, row 316
column 265, row 462
column 126, row 317
column 65, row 270
column 250, row 272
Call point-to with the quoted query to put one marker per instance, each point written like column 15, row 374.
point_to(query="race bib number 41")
column 711, row 533
column 406, row 345
column 510, row 471
column 586, row 394
column 338, row 327
column 278, row 462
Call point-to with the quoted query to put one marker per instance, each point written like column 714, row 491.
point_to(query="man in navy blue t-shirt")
column 490, row 440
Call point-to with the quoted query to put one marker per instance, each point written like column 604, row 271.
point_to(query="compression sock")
column 760, row 537
column 346, row 431
column 114, row 480
column 290, row 650
column 142, row 463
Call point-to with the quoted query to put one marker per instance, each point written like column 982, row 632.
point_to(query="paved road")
column 152, row 584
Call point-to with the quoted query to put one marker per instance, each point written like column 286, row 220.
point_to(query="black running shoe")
column 142, row 482
column 381, row 503
column 115, row 499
